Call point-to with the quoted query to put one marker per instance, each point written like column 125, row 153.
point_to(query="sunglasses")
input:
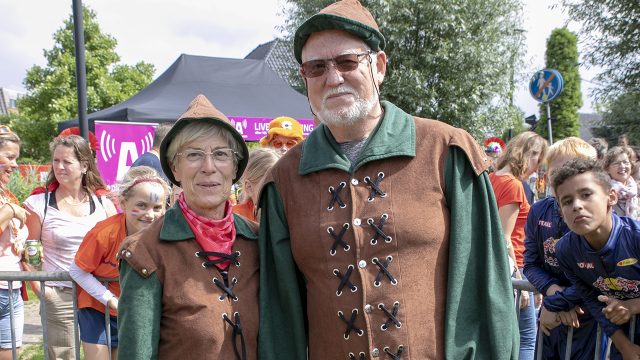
column 277, row 144
column 343, row 63
column 6, row 131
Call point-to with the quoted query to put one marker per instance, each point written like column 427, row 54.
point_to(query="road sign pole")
column 549, row 123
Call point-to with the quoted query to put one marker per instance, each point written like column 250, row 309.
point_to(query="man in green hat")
column 379, row 236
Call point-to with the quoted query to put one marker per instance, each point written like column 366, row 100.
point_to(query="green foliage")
column 453, row 61
column 620, row 116
column 52, row 91
column 610, row 33
column 20, row 186
column 562, row 55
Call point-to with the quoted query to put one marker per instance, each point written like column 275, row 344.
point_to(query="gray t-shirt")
column 352, row 149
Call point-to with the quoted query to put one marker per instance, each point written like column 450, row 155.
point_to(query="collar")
column 395, row 135
column 610, row 245
column 176, row 228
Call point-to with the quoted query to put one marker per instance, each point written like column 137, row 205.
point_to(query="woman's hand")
column 19, row 213
column 524, row 299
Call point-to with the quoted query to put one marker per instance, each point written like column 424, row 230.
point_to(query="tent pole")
column 81, row 73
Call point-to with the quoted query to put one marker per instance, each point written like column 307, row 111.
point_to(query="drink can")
column 33, row 252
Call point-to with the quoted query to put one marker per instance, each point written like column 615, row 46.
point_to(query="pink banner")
column 121, row 143
column 253, row 129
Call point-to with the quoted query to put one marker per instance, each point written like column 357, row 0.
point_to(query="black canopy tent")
column 237, row 87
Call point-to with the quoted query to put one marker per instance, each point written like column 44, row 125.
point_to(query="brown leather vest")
column 373, row 248
column 192, row 322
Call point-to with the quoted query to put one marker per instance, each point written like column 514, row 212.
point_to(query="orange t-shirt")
column 509, row 190
column 245, row 209
column 97, row 255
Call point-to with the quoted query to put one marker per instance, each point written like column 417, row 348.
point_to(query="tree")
column 610, row 32
column 562, row 55
column 52, row 94
column 451, row 61
column 620, row 116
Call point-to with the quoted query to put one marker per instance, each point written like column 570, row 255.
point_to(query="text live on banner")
column 121, row 143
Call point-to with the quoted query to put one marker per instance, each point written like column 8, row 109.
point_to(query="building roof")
column 6, row 97
column 587, row 123
column 278, row 54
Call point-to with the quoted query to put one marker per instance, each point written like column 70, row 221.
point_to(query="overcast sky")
column 158, row 31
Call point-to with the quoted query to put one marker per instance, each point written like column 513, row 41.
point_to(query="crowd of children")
column 581, row 248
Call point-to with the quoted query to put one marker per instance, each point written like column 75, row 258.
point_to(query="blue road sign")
column 546, row 85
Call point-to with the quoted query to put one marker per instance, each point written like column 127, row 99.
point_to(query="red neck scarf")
column 211, row 235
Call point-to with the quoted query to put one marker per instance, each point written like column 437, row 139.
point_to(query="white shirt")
column 62, row 233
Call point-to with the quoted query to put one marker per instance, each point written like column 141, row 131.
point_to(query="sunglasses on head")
column 5, row 130
column 344, row 63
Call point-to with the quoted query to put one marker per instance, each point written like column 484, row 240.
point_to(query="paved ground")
column 32, row 325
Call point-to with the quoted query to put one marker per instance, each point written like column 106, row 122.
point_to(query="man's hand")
column 570, row 318
column 617, row 311
column 548, row 321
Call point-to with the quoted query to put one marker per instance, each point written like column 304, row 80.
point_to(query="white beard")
column 350, row 115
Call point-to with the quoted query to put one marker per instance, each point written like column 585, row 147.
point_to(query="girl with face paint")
column 143, row 196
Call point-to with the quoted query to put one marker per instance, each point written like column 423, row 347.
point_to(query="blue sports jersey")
column 543, row 230
column 613, row 270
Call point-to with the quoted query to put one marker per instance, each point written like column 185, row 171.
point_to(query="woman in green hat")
column 190, row 280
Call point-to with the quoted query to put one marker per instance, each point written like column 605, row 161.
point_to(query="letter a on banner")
column 120, row 145
column 127, row 151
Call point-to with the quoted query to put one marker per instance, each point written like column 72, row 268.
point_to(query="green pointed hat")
column 347, row 15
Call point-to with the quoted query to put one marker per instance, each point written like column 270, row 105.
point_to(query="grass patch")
column 32, row 352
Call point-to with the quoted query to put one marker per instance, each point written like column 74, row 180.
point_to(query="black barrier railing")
column 43, row 277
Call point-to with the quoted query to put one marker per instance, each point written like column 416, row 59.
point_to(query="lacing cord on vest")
column 383, row 271
column 344, row 280
column 237, row 330
column 361, row 356
column 225, row 286
column 375, row 186
column 233, row 257
column 337, row 239
column 392, row 315
column 350, row 324
column 397, row 355
column 335, row 196
column 378, row 229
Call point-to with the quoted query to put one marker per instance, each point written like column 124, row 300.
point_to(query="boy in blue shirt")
column 562, row 306
column 600, row 255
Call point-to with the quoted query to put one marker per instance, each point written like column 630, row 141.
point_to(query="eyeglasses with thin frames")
column 221, row 157
column 343, row 63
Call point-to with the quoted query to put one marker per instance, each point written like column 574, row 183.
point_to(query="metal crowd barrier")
column 43, row 277
column 523, row 285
